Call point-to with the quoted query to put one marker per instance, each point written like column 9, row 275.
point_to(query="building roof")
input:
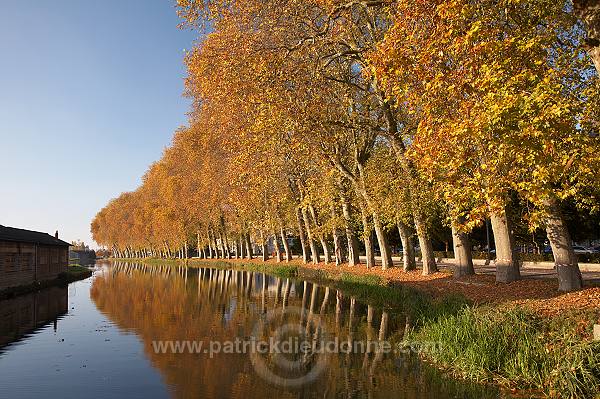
column 33, row 237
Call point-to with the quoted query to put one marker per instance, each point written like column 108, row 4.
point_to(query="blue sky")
column 90, row 94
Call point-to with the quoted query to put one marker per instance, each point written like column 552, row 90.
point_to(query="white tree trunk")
column 352, row 242
column 565, row 259
column 314, row 253
column 427, row 255
column 384, row 246
column 507, row 257
column 408, row 247
column 265, row 249
column 278, row 254
column 286, row 245
column 369, row 251
column 302, row 235
column 463, row 259
column 322, row 239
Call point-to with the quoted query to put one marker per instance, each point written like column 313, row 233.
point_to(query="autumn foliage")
column 338, row 122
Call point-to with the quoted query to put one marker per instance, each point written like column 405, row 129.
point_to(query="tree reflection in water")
column 162, row 303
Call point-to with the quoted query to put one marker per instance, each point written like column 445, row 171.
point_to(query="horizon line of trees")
column 333, row 119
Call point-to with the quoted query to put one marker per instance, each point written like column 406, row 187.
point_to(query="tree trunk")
column 337, row 247
column 314, row 253
column 278, row 254
column 326, row 254
column 286, row 245
column 352, row 242
column 224, row 239
column 210, row 253
column 211, row 245
column 565, row 259
column 384, row 246
column 199, row 245
column 337, row 239
column 408, row 247
column 588, row 11
column 302, row 234
column 427, row 255
column 228, row 250
column 249, row 253
column 367, row 233
column 507, row 258
column 463, row 259
column 223, row 245
column 214, row 243
column 265, row 249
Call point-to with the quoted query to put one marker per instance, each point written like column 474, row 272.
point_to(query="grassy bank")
column 283, row 270
column 517, row 348
column 75, row 273
column 508, row 345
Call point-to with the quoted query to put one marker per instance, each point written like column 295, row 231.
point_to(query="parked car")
column 581, row 250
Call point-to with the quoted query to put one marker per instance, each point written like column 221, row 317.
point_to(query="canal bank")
column 516, row 341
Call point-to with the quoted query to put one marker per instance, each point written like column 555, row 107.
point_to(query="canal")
column 140, row 331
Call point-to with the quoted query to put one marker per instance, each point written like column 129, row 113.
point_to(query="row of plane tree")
column 333, row 119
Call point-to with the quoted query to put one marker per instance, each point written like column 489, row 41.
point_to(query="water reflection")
column 24, row 314
column 161, row 303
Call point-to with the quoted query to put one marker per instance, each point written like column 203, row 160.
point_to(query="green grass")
column 74, row 272
column 284, row 271
column 376, row 291
column 76, row 269
column 367, row 279
column 151, row 261
column 516, row 348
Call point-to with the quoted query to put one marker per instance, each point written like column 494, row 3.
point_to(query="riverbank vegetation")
column 518, row 348
column 75, row 272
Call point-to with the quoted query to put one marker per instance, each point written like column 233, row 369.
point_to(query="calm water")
column 98, row 339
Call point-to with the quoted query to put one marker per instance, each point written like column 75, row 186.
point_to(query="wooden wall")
column 23, row 263
column 51, row 261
